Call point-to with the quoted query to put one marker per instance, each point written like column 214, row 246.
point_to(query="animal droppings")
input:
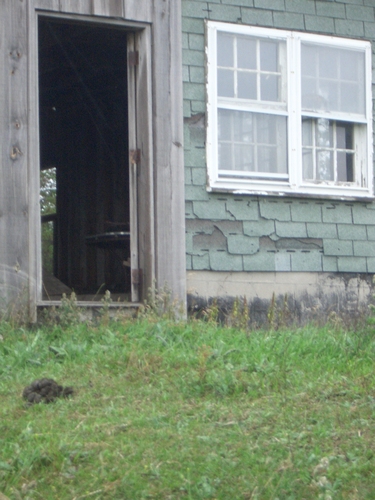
column 45, row 390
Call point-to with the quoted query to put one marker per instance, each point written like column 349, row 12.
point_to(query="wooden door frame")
column 140, row 170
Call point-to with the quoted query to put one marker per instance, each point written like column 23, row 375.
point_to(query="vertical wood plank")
column 76, row 7
column 143, row 120
column 132, row 10
column 168, row 150
column 133, row 168
column 109, row 8
column 14, row 269
column 53, row 5
column 35, row 267
column 138, row 10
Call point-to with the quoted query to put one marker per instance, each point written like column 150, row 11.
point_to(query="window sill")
column 323, row 193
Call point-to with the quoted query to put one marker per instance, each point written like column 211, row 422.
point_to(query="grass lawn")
column 164, row 410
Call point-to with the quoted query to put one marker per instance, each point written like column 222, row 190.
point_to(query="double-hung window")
column 288, row 112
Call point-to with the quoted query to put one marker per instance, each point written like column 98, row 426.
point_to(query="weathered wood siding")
column 168, row 156
column 14, row 248
column 134, row 10
column 161, row 179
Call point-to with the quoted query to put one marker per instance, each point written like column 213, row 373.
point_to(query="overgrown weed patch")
column 188, row 411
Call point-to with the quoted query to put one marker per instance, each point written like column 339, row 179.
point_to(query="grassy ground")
column 189, row 411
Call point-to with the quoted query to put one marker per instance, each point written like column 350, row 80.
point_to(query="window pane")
column 333, row 79
column 225, row 125
column 349, row 98
column 249, row 68
column 266, row 129
column 267, row 159
column 307, row 132
column 328, row 63
column 324, row 133
column 225, row 50
column 254, row 142
column 328, row 150
column 225, row 83
column 328, row 92
column 345, row 171
column 225, row 156
column 307, row 164
column 269, row 56
column 269, row 88
column 246, row 53
column 247, row 85
column 352, row 64
column 310, row 98
column 243, row 126
column 324, row 165
column 344, row 133
column 308, row 63
column 244, row 157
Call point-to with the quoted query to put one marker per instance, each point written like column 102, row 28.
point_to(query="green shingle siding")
column 226, row 13
column 289, row 20
column 347, row 265
column 256, row 17
column 270, row 4
column 306, row 212
column 338, row 247
column 319, row 24
column 243, row 245
column 329, row 264
column 276, row 210
column 261, row 227
column 228, row 232
column 306, row 261
column 349, row 28
column 330, row 9
column 201, row 262
column 222, row 261
column 243, row 209
column 360, row 13
column 302, row 6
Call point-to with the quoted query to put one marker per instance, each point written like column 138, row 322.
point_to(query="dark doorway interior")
column 83, row 103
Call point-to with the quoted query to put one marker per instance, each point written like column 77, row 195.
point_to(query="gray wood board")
column 132, row 10
column 145, row 168
column 168, row 159
column 14, row 270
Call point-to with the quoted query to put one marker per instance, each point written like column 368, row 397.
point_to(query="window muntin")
column 297, row 86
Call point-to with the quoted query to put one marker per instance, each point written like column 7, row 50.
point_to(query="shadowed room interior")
column 83, row 126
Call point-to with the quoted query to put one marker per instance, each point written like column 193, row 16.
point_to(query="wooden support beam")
column 14, row 213
column 168, row 148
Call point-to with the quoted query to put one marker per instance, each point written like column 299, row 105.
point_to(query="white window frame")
column 362, row 187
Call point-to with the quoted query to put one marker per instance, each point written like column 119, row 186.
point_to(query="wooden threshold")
column 89, row 311
column 94, row 304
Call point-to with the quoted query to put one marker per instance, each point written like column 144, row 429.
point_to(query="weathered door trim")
column 140, row 112
column 141, row 163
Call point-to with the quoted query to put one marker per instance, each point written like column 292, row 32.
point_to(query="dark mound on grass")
column 45, row 390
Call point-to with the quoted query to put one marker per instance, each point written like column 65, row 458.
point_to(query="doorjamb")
column 143, row 136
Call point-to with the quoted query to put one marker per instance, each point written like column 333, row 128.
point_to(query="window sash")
column 328, row 151
column 291, row 107
column 251, row 79
column 327, row 86
column 255, row 143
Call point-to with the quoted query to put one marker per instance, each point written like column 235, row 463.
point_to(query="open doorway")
column 84, row 159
